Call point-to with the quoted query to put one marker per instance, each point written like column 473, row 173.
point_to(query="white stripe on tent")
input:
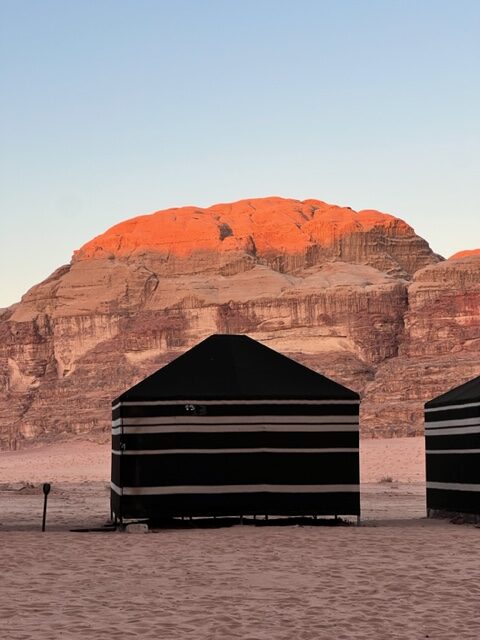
column 235, row 428
column 187, row 420
column 429, row 451
column 153, row 403
column 462, row 422
column 453, row 486
column 452, row 431
column 237, row 488
column 154, row 452
column 452, row 406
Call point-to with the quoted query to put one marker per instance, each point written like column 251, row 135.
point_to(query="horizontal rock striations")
column 357, row 296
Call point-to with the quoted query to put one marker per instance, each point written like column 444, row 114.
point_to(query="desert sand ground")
column 398, row 576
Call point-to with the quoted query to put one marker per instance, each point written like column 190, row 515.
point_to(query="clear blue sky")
column 112, row 108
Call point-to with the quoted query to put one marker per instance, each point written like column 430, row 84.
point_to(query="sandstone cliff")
column 324, row 284
column 439, row 348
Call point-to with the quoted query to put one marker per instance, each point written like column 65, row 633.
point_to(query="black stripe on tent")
column 462, row 468
column 232, row 440
column 452, row 414
column 455, row 501
column 461, row 441
column 141, row 411
column 116, row 470
column 200, row 423
column 238, row 504
column 232, row 468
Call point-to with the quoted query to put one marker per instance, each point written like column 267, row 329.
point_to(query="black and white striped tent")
column 232, row 427
column 452, row 443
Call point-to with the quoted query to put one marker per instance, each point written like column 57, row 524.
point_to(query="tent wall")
column 235, row 457
column 452, row 443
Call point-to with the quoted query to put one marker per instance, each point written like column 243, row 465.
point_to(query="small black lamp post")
column 46, row 491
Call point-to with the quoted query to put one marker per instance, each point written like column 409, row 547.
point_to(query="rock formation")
column 326, row 285
column 439, row 348
column 465, row 254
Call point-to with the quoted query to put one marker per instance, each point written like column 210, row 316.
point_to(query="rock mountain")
column 356, row 295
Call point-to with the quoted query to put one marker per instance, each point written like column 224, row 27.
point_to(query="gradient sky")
column 112, row 108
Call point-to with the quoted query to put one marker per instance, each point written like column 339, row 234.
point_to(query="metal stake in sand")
column 46, row 491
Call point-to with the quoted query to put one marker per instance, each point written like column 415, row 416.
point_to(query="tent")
column 452, row 443
column 232, row 427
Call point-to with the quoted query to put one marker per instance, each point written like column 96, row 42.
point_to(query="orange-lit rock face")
column 465, row 254
column 260, row 225
column 284, row 234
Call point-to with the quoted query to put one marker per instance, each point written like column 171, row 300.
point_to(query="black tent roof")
column 465, row 393
column 235, row 367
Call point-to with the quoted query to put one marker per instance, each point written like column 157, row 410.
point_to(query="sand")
column 399, row 576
